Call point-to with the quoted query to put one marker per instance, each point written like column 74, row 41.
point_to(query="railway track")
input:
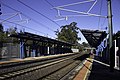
column 68, row 72
column 46, row 69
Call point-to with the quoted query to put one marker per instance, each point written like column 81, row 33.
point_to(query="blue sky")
column 46, row 27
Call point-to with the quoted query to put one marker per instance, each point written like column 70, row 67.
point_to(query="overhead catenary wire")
column 87, row 1
column 104, row 21
column 21, row 25
column 27, row 27
column 28, row 17
column 53, row 6
column 38, row 12
column 49, row 3
column 38, row 22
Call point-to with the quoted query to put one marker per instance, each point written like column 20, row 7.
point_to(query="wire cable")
column 27, row 27
column 49, row 3
column 21, row 25
column 53, row 6
column 38, row 12
column 38, row 22
column 104, row 21
column 27, row 17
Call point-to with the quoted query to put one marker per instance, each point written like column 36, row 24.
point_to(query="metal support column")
column 22, row 52
column 110, row 35
column 34, row 49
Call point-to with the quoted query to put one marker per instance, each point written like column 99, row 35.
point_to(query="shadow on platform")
column 101, row 71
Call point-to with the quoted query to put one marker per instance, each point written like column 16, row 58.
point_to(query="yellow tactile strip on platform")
column 82, row 74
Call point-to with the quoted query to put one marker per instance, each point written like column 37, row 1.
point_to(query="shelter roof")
column 34, row 37
column 94, row 37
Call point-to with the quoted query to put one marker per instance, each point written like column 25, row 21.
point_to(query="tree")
column 4, row 38
column 1, row 35
column 85, row 44
column 1, row 38
column 1, row 28
column 115, row 36
column 12, row 30
column 68, row 33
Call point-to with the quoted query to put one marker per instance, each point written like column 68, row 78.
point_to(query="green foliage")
column 85, row 44
column 12, row 30
column 4, row 38
column 68, row 33
column 1, row 33
column 1, row 28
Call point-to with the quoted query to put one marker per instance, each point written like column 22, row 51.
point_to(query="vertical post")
column 34, row 49
column 110, row 34
column 116, row 49
column 48, row 50
column 22, row 52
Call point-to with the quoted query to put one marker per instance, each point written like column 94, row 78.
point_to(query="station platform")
column 96, row 70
